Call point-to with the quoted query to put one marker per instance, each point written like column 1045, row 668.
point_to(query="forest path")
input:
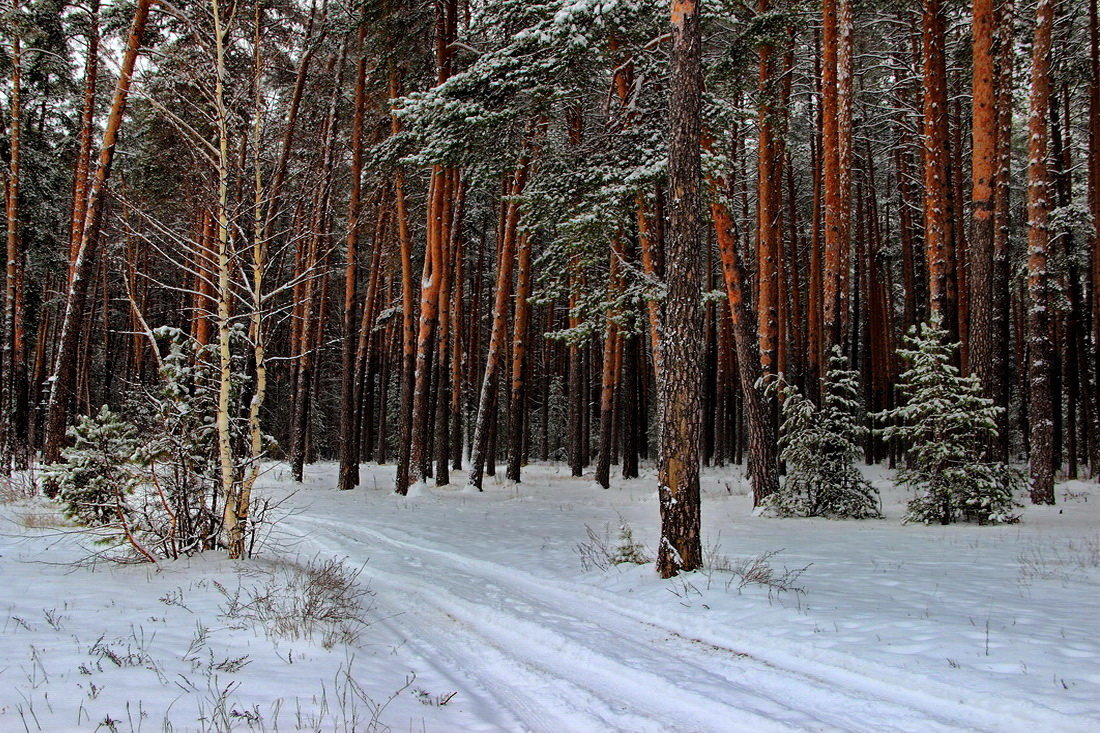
column 541, row 654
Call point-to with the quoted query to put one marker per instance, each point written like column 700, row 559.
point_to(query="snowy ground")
column 482, row 618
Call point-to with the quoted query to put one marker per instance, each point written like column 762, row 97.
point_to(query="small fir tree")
column 98, row 473
column 150, row 480
column 947, row 426
column 821, row 447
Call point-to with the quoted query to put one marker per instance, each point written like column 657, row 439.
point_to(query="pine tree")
column 680, row 389
column 948, row 425
column 820, row 448
column 98, row 472
column 149, row 478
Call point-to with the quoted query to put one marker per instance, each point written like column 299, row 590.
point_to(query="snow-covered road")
column 557, row 659
column 484, row 618
column 542, row 651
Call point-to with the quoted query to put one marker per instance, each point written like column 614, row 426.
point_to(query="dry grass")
column 41, row 520
column 755, row 570
column 320, row 598
column 1060, row 560
column 600, row 551
column 20, row 489
column 20, row 486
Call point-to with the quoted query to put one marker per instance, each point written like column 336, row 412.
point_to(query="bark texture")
column 680, row 546
column 1039, row 320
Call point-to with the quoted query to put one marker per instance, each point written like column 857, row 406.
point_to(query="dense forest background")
column 444, row 234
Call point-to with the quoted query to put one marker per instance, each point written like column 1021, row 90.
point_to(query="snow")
column 417, row 489
column 905, row 628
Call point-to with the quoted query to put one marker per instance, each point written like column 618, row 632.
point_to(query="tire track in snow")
column 783, row 662
column 478, row 666
column 500, row 601
column 574, row 685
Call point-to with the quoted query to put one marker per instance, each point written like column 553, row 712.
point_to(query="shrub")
column 948, row 427
column 820, row 448
column 99, row 473
column 150, row 481
column 600, row 552
column 321, row 598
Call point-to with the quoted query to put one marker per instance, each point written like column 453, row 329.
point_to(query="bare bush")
column 40, row 519
column 1058, row 560
column 427, row 698
column 600, row 552
column 754, row 570
column 322, row 597
column 18, row 486
column 758, row 570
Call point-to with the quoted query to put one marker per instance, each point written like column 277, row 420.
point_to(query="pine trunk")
column 680, row 548
column 939, row 241
column 485, row 423
column 763, row 464
column 1094, row 208
column 836, row 169
column 13, row 429
column 349, row 444
column 430, row 285
column 449, row 357
column 408, row 320
column 767, row 228
column 1039, row 322
column 63, row 386
column 609, row 376
column 984, row 165
column 1002, row 220
column 520, row 334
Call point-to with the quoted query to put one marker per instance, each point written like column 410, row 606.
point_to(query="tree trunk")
column 487, row 402
column 349, row 444
column 1039, row 321
column 310, row 336
column 939, row 242
column 763, row 465
column 1002, row 222
column 520, row 334
column 63, row 380
column 767, row 228
column 1094, row 208
column 13, row 429
column 87, row 122
column 680, row 548
column 836, row 174
column 274, row 208
column 408, row 318
column 609, row 375
column 449, row 358
column 226, row 465
column 633, row 417
column 458, row 345
column 367, row 347
column 431, row 282
column 240, row 508
column 984, row 167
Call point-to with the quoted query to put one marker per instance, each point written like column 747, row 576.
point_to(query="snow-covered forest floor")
column 492, row 612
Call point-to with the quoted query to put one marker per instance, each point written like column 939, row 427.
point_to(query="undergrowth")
column 320, row 599
column 601, row 552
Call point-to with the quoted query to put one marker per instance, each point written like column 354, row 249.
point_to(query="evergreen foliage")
column 150, row 479
column 820, row 448
column 99, row 470
column 947, row 425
